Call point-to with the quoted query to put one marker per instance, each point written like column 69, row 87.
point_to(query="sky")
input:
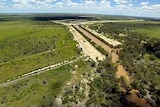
column 143, row 8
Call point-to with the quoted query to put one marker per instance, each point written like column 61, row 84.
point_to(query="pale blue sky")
column 148, row 8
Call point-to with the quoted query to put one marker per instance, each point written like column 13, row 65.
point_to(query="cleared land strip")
column 114, row 56
column 38, row 71
column 120, row 69
column 106, row 21
column 63, row 22
column 112, row 42
column 87, row 48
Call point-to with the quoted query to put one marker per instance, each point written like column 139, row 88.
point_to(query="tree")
column 123, row 82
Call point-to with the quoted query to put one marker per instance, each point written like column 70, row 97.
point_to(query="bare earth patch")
column 139, row 101
column 112, row 42
column 122, row 72
column 86, row 46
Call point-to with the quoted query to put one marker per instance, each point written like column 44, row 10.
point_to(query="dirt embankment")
column 114, row 57
column 112, row 42
column 87, row 48
column 120, row 69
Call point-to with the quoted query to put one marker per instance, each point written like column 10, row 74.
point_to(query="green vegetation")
column 113, row 29
column 75, row 92
column 143, row 66
column 22, row 38
column 95, row 26
column 104, row 90
column 35, row 42
column 94, row 86
column 28, row 45
column 140, row 55
column 39, row 90
column 152, row 32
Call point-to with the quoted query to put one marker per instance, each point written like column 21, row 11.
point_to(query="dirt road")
column 114, row 56
column 112, row 42
column 88, row 49
column 39, row 71
column 82, row 22
column 120, row 69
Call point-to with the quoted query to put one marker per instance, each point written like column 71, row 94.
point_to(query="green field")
column 41, row 90
column 153, row 32
column 145, row 28
column 38, row 90
column 29, row 45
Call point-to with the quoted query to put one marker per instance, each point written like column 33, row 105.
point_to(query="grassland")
column 41, row 90
column 37, row 90
column 29, row 45
column 153, row 32
column 145, row 28
column 26, row 45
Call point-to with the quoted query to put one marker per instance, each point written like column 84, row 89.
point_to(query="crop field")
column 29, row 45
